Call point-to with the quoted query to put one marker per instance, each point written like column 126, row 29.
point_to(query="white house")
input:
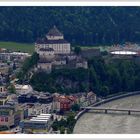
column 37, row 109
column 23, row 89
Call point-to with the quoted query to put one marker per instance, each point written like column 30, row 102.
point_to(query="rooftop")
column 46, row 49
column 41, row 118
column 43, row 60
column 46, row 41
column 54, row 32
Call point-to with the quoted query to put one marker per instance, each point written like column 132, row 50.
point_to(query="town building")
column 10, row 115
column 23, row 89
column 45, row 98
column 86, row 99
column 38, row 124
column 13, row 56
column 35, row 98
column 3, row 79
column 3, row 99
column 4, row 68
column 91, row 97
column 27, row 98
column 37, row 108
column 63, row 103
column 2, row 89
column 6, row 116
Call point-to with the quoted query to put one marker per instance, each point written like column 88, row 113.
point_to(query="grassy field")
column 14, row 46
column 102, row 48
column 88, row 47
column 17, row 46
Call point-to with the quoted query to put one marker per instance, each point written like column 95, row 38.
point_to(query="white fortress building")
column 53, row 44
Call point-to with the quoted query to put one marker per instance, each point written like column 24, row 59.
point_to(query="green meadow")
column 14, row 46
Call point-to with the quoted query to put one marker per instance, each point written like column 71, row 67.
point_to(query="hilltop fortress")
column 53, row 43
column 55, row 52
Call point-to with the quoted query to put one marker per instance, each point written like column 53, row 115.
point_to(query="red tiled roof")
column 66, row 99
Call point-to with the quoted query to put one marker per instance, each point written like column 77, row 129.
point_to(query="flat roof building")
column 38, row 124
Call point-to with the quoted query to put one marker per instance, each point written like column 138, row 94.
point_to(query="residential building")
column 6, row 116
column 63, row 103
column 4, row 68
column 91, row 97
column 3, row 89
column 37, row 108
column 13, row 56
column 10, row 115
column 3, row 99
column 27, row 98
column 86, row 99
column 45, row 98
column 23, row 89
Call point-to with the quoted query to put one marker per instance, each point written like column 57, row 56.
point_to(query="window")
column 6, row 119
column 65, row 105
column 2, row 119
column 61, row 106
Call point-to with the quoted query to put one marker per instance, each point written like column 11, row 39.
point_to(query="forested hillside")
column 81, row 25
column 101, row 77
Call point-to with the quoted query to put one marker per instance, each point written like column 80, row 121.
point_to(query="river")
column 112, row 123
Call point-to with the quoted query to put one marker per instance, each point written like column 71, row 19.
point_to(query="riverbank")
column 92, row 122
column 106, row 101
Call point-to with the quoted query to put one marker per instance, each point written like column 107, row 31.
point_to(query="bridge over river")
column 107, row 110
column 92, row 122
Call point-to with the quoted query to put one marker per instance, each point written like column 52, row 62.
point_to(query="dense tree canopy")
column 63, row 125
column 104, row 78
column 62, row 80
column 28, row 64
column 81, row 25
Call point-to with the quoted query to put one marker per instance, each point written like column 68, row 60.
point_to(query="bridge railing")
column 107, row 110
column 106, row 101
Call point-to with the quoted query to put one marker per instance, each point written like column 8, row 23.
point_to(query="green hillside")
column 83, row 26
column 17, row 46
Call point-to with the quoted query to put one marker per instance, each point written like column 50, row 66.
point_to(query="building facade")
column 10, row 115
column 38, row 124
column 53, row 43
column 2, row 89
column 63, row 103
column 37, row 109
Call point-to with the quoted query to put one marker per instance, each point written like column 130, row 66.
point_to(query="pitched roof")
column 43, row 60
column 65, row 99
column 46, row 41
column 54, row 32
column 46, row 49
